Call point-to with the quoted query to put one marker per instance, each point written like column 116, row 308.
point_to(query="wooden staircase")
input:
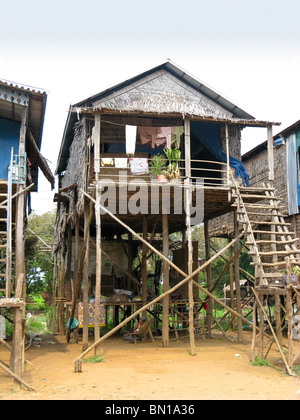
column 268, row 237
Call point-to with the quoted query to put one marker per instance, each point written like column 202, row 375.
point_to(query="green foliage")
column 94, row 359
column 260, row 362
column 39, row 264
column 157, row 164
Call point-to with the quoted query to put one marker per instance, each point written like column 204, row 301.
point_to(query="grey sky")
column 248, row 51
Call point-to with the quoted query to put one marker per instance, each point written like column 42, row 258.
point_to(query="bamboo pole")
column 274, row 335
column 190, row 270
column 16, row 377
column 159, row 298
column 166, row 285
column 98, row 271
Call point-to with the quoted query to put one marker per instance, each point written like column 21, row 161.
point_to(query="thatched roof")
column 165, row 90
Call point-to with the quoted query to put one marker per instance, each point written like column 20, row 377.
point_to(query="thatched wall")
column 76, row 172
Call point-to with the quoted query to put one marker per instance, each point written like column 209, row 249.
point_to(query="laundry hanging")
column 157, row 136
column 209, row 135
column 130, row 133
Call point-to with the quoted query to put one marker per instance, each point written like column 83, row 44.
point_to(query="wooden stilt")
column 237, row 281
column 231, row 287
column 208, row 320
column 85, row 331
column 144, row 265
column 253, row 344
column 190, row 270
column 17, row 355
column 98, row 270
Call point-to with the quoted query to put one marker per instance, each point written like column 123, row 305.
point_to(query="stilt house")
column 110, row 199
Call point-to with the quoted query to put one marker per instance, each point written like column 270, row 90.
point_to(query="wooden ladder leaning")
column 6, row 234
column 268, row 236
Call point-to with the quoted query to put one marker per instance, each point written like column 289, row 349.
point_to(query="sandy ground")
column 147, row 371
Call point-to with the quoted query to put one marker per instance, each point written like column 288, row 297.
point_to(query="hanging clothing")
column 149, row 135
column 130, row 133
column 176, row 136
column 157, row 136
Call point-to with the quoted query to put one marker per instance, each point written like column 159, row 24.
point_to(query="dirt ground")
column 147, row 371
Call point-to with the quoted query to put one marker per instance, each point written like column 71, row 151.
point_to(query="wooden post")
column 278, row 318
column 144, row 265
column 227, row 154
column 166, row 286
column 231, row 287
column 187, row 147
column 260, row 301
column 131, row 285
column 253, row 344
column 61, row 293
column 237, row 280
column 17, row 355
column 190, row 270
column 85, row 332
column 76, row 270
column 270, row 154
column 209, row 311
column 289, row 309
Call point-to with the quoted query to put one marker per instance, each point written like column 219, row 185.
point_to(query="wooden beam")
column 190, row 270
column 85, row 329
column 144, row 265
column 166, row 284
column 98, row 269
column 270, row 154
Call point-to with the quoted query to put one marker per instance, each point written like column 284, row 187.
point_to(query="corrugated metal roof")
column 13, row 98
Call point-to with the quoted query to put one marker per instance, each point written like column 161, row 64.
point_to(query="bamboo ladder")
column 6, row 235
column 279, row 236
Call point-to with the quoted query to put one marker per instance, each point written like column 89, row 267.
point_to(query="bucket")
column 2, row 327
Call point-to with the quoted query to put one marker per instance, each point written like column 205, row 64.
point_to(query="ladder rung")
column 263, row 197
column 3, row 246
column 256, row 189
column 2, row 274
column 290, row 241
column 261, row 222
column 272, row 275
column 2, row 261
column 3, row 220
column 273, row 233
column 3, row 181
column 263, row 206
column 270, row 253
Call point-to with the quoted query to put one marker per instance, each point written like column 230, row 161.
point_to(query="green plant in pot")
column 158, row 166
column 173, row 156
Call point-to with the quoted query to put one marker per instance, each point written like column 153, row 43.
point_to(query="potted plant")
column 157, row 167
column 173, row 171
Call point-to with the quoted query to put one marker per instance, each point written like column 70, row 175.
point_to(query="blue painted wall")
column 9, row 137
